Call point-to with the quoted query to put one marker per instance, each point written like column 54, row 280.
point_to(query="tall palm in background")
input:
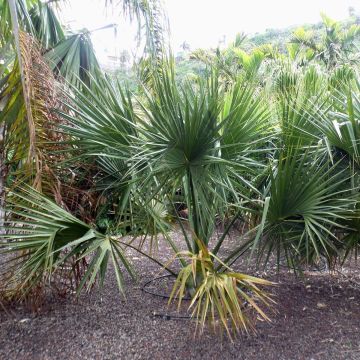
column 336, row 46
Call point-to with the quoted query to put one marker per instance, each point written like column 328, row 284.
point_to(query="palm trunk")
column 3, row 166
column 3, row 173
column 194, row 215
column 32, row 158
column 29, row 116
column 16, row 30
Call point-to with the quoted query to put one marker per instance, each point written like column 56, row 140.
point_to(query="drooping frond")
column 47, row 28
column 28, row 112
column 74, row 59
column 44, row 238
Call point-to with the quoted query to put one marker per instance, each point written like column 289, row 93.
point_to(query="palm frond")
column 74, row 58
column 223, row 299
column 47, row 28
column 309, row 201
column 42, row 237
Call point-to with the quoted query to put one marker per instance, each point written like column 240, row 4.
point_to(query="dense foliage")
column 261, row 136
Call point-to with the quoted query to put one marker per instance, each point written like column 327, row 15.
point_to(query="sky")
column 201, row 23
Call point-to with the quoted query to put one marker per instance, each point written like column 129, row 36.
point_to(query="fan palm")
column 195, row 140
column 310, row 196
column 307, row 201
column 44, row 237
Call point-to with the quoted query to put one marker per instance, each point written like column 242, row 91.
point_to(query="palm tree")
column 336, row 46
column 27, row 93
column 189, row 141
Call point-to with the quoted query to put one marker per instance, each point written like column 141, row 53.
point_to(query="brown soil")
column 317, row 317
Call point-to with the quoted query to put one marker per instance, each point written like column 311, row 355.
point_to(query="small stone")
column 321, row 305
column 24, row 320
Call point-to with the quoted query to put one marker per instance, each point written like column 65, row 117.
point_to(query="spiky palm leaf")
column 340, row 126
column 47, row 28
column 224, row 299
column 42, row 237
column 299, row 98
column 74, row 58
column 308, row 201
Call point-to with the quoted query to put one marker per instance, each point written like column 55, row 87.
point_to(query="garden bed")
column 317, row 317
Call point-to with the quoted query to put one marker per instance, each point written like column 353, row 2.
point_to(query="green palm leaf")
column 74, row 58
column 42, row 237
column 309, row 201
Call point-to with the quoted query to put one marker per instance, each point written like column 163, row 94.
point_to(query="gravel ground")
column 317, row 317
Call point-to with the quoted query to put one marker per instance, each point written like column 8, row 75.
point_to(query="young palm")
column 194, row 140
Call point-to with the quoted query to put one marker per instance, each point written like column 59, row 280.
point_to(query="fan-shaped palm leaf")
column 308, row 201
column 39, row 232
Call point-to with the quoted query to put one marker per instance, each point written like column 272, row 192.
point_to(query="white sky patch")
column 201, row 23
